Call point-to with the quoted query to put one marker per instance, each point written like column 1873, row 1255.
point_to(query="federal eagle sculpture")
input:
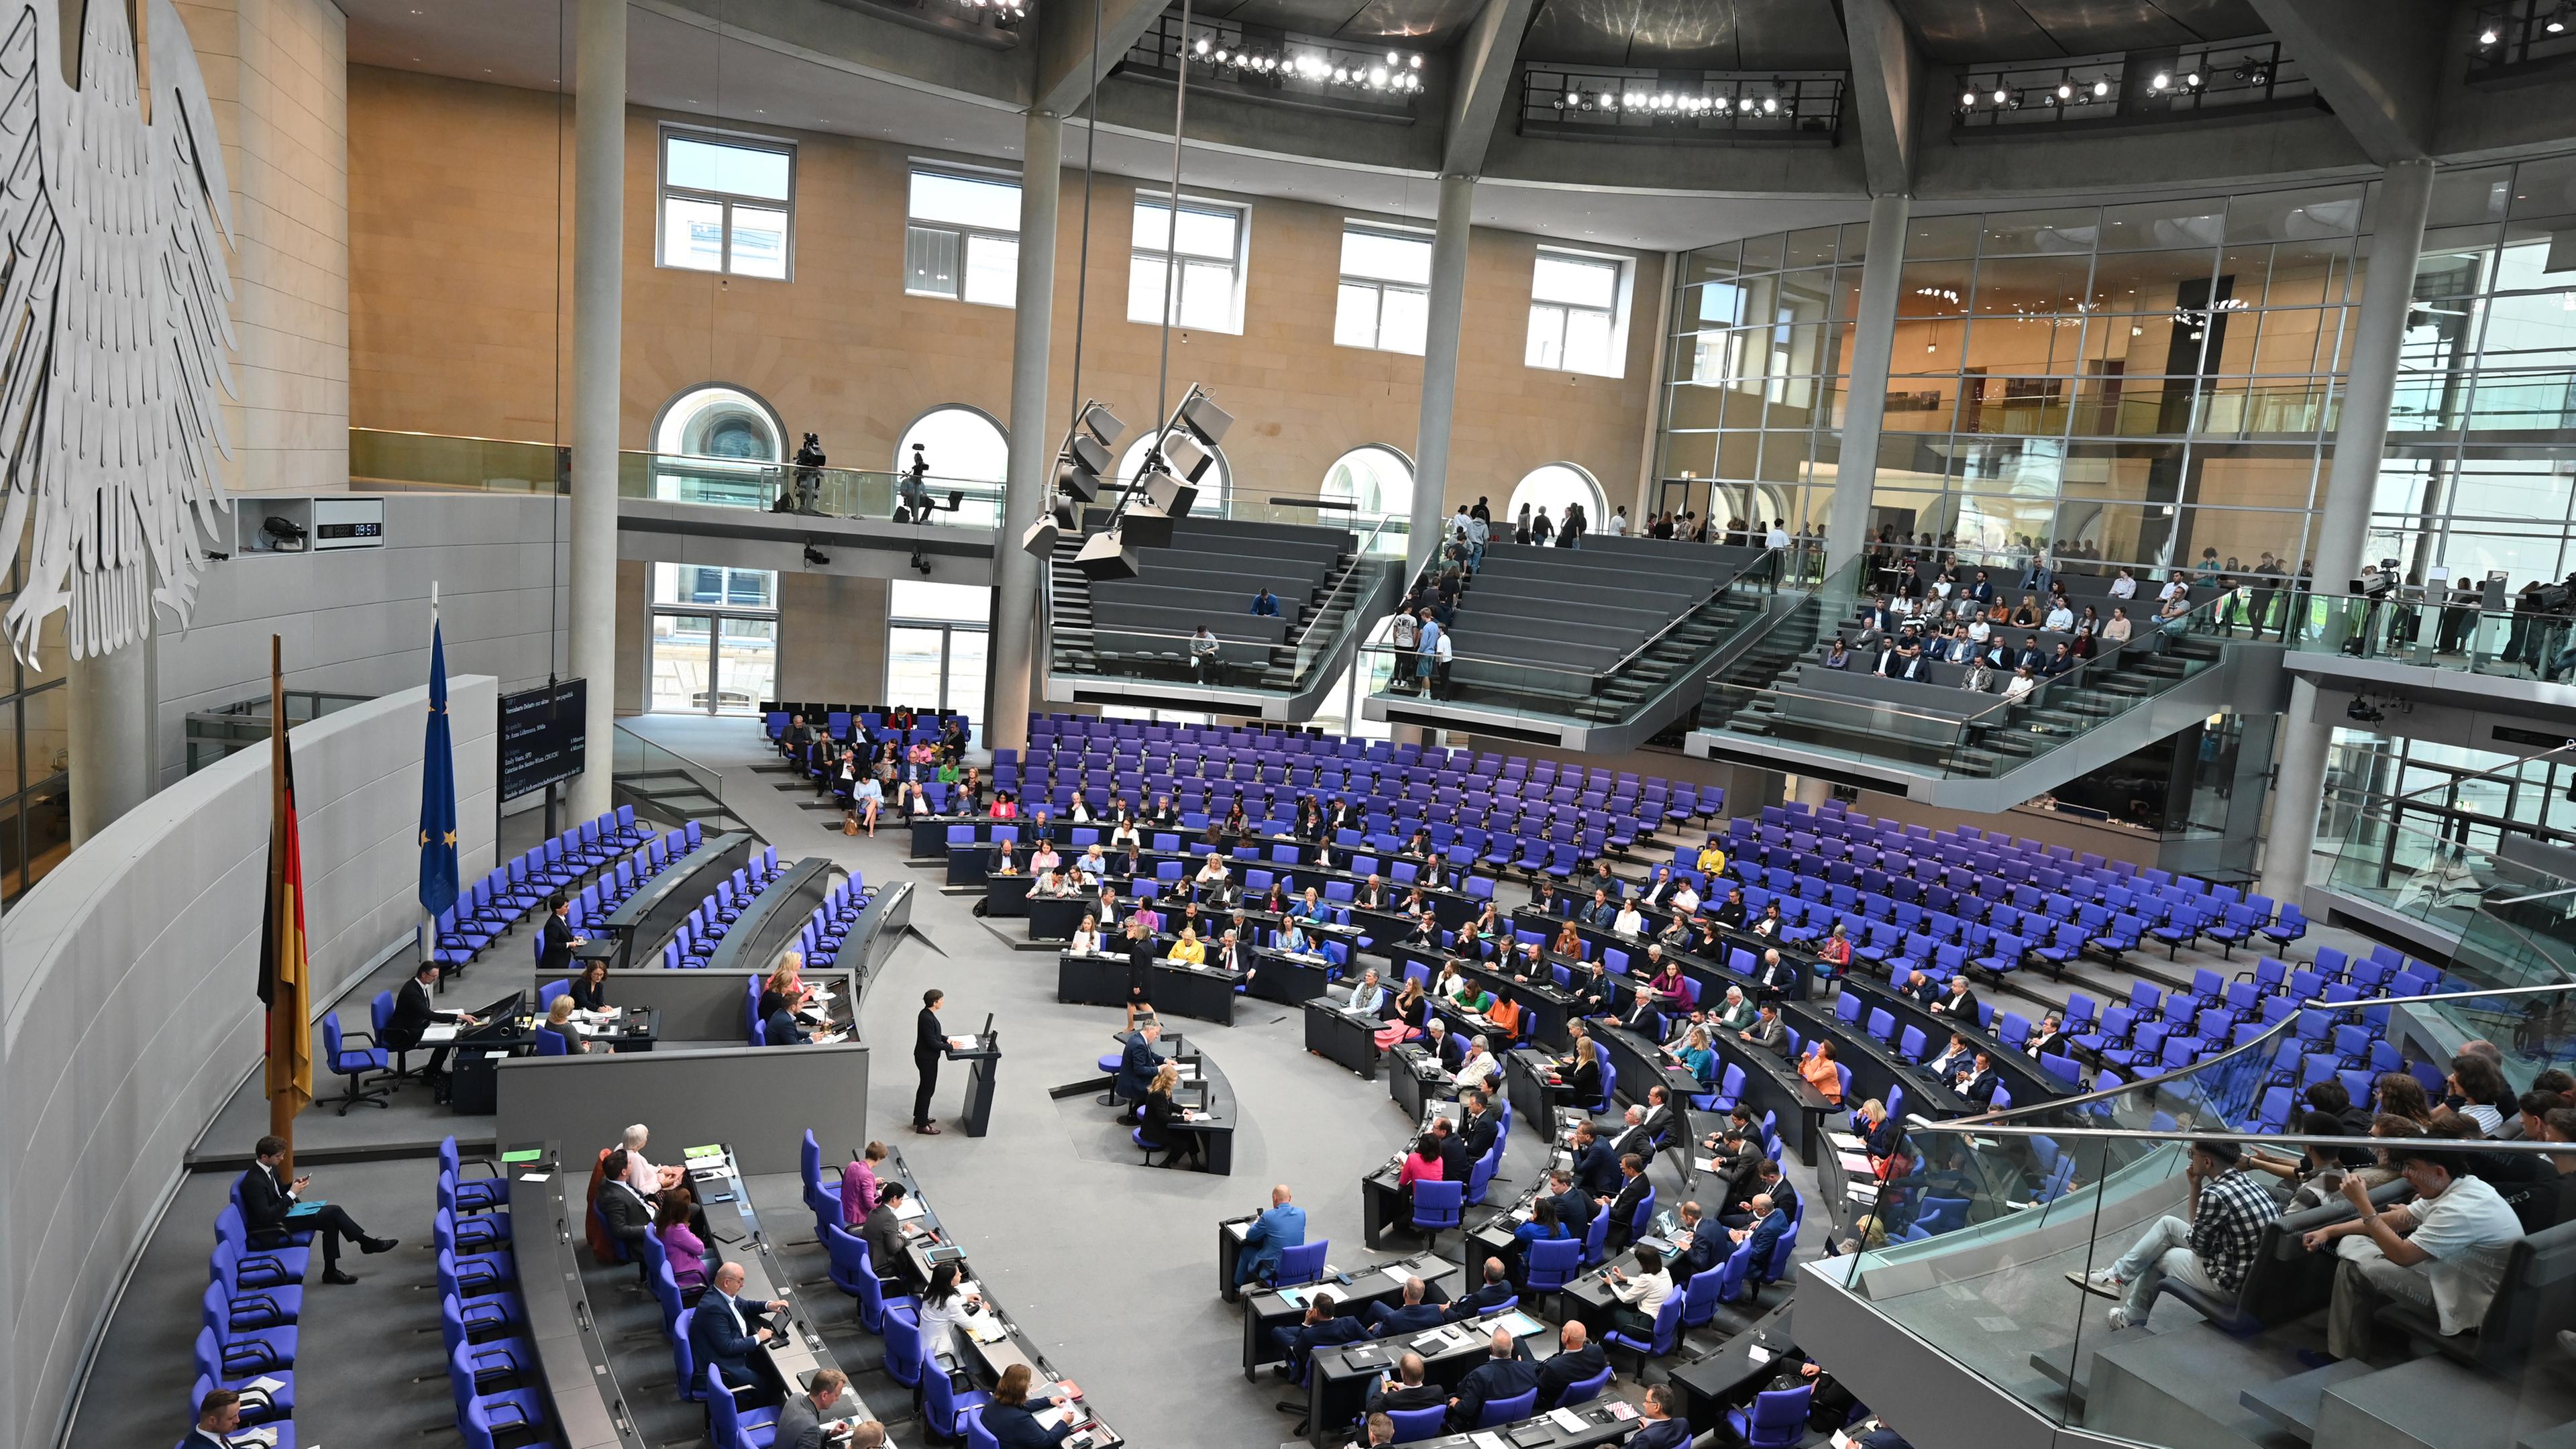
column 114, row 323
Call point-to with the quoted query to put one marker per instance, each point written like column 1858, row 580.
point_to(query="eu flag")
column 437, row 791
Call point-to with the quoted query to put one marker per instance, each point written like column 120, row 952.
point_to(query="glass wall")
column 715, row 638
column 936, row 638
column 35, row 795
column 2481, row 456
column 2141, row 384
column 1753, row 391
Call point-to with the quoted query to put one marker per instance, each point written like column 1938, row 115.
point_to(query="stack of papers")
column 1487, row 1439
column 1855, row 1164
column 1568, row 1420
column 708, row 1156
column 1847, row 1142
column 961, row 1042
column 911, row 1207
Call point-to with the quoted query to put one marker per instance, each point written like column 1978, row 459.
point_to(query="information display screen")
column 541, row 736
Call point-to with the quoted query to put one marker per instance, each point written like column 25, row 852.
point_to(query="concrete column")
column 1865, row 386
column 1448, row 302
column 598, row 259
column 2361, row 436
column 108, row 711
column 1813, row 792
column 1016, row 664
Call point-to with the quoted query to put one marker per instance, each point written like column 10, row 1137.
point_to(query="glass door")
column 683, row 660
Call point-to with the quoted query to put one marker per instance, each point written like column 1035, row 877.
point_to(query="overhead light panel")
column 1171, row 496
column 1103, row 424
column 1206, row 419
column 1186, row 458
column 1040, row 538
column 1143, row 525
column 1105, row 559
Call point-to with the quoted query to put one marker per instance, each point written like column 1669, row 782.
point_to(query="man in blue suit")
column 1763, row 1235
column 720, row 1330
column 1595, row 1165
column 1573, row 1204
column 1664, row 1428
column 1272, row 1233
column 1705, row 1249
column 1503, row 1376
column 1318, row 1329
column 1137, row 1067
column 1493, row 1293
column 1414, row 1316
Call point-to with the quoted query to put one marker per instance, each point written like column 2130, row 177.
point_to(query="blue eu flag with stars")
column 437, row 791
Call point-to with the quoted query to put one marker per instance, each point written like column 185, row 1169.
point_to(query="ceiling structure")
column 865, row 68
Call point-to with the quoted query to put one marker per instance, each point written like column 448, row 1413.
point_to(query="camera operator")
column 806, row 491
column 912, row 491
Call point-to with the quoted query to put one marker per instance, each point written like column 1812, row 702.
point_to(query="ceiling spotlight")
column 1377, row 75
column 1745, row 104
column 2487, row 36
column 1609, row 100
column 1770, row 105
column 1202, row 45
column 2191, row 80
column 2161, row 81
column 2065, row 91
column 1560, row 103
column 2556, row 24
column 2101, row 88
column 2001, row 95
column 1967, row 100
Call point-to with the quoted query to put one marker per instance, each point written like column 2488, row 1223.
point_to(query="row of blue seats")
column 491, row 907
column 710, row 919
column 493, row 1372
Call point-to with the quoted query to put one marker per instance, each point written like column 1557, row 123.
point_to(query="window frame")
column 1379, row 287
column 1624, row 275
column 664, row 191
column 717, row 616
column 966, row 235
column 1241, row 265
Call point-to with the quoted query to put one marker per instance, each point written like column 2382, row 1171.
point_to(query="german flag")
column 283, row 973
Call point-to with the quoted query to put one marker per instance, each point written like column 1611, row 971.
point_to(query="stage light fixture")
column 1105, row 559
column 1040, row 538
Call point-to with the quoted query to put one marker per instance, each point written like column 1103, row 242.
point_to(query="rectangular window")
column 964, row 238
column 1206, row 243
column 1385, row 299
column 1574, row 314
column 728, row 204
column 715, row 638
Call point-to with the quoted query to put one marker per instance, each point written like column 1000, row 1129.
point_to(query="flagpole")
column 428, row 920
column 281, row 1105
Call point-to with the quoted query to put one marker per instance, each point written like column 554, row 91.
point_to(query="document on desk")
column 962, row 1043
column 1241, row 1229
column 1757, row 1353
column 909, row 1209
column 1566, row 1419
column 438, row 1033
column 1487, row 1439
column 1854, row 1163
column 1521, row 1325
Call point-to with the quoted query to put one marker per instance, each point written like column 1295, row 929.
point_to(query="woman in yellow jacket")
column 1189, row 950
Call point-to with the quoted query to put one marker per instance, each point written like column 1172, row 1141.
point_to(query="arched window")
column 1214, row 484
column 961, row 445
column 718, row 444
column 1374, row 479
column 1552, row 486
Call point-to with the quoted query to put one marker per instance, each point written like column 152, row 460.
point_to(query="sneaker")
column 2118, row 1317
column 2101, row 1281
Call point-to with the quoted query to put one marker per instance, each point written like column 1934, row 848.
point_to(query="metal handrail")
column 1341, row 583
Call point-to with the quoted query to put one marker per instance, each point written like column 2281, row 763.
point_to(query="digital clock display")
column 349, row 530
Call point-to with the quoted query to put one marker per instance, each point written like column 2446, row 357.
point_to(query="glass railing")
column 2139, row 409
column 665, row 785
column 1950, row 732
column 382, row 459
column 818, row 492
column 2405, row 627
column 1971, row 1243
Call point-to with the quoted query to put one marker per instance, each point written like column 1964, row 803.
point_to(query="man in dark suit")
column 1406, row 1389
column 1372, row 893
column 628, row 1216
column 1774, row 978
column 929, row 1044
column 554, row 957
column 1702, row 1246
column 1634, row 1140
column 1762, row 1231
column 1623, row 1208
column 1978, row 1083
column 1739, row 1170
column 219, row 1415
column 721, row 1330
column 1593, row 991
column 1663, row 1122
column 802, row 1419
column 1730, row 912
column 1663, row 1428
column 1921, row 988
column 1767, row 1030
column 1960, row 1004
column 1454, row 1159
column 1478, row 1129
column 1573, row 1202
column 412, row 1018
column 1230, row 953
column 1318, row 1329
column 2048, row 1041
column 1138, row 1063
column 1577, row 1359
column 1494, row 1292
column 1595, row 1165
column 269, row 1212
column 1499, row 1377
column 1412, row 1316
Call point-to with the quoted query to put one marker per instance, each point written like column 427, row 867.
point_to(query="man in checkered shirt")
column 2211, row 1252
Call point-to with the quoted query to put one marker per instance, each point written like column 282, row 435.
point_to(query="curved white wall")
column 128, row 975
